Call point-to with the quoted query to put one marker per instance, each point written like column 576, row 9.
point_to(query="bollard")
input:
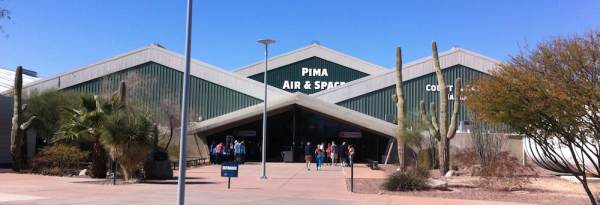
column 115, row 172
column 351, row 177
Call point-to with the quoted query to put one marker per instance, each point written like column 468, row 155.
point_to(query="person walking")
column 334, row 153
column 343, row 154
column 319, row 156
column 351, row 154
column 219, row 151
column 329, row 154
column 308, row 155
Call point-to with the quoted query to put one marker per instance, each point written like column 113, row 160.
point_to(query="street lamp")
column 264, row 142
column 185, row 106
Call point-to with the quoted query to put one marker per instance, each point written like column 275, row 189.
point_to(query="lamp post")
column 264, row 141
column 184, row 109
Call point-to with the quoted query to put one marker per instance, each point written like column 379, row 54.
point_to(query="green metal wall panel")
column 293, row 72
column 379, row 103
column 155, row 84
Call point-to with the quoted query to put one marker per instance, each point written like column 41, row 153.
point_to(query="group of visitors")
column 332, row 153
column 235, row 152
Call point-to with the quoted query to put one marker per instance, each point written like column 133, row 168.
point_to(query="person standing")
column 319, row 156
column 243, row 152
column 237, row 148
column 329, row 153
column 212, row 153
column 308, row 155
column 343, row 154
column 334, row 153
column 219, row 151
column 230, row 154
column 323, row 153
column 351, row 154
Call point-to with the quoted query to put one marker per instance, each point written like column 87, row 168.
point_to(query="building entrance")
column 291, row 130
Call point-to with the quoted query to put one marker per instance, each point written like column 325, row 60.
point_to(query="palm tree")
column 85, row 123
column 128, row 133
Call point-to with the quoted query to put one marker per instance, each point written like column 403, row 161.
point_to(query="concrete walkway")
column 288, row 183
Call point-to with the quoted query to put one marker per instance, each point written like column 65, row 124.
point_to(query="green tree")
column 551, row 94
column 85, row 123
column 48, row 106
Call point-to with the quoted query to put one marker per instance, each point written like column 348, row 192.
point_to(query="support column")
column 294, row 135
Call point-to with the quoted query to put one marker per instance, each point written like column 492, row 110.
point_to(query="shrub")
column 506, row 173
column 424, row 159
column 129, row 136
column 466, row 157
column 55, row 159
column 414, row 179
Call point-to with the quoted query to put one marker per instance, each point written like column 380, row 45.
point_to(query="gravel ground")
column 546, row 189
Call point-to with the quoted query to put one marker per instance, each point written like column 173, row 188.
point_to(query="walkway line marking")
column 291, row 177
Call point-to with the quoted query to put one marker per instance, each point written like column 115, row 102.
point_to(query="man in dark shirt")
column 343, row 154
column 308, row 155
column 334, row 153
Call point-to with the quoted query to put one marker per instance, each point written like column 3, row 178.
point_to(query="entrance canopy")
column 286, row 103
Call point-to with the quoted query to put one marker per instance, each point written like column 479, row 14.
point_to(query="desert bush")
column 424, row 159
column 56, row 171
column 465, row 157
column 129, row 137
column 505, row 173
column 55, row 159
column 413, row 179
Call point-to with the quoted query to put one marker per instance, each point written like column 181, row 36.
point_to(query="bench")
column 372, row 164
column 189, row 162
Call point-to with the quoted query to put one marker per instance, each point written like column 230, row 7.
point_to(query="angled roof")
column 7, row 79
column 276, row 106
column 308, row 52
column 410, row 71
column 157, row 54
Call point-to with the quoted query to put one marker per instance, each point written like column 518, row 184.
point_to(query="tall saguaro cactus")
column 399, row 101
column 18, row 130
column 442, row 133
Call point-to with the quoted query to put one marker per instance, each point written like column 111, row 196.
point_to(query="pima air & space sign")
column 310, row 72
column 436, row 88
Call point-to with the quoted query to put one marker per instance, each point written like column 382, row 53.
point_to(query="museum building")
column 315, row 95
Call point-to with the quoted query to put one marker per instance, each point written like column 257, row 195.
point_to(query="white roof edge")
column 329, row 109
column 308, row 52
column 153, row 53
column 410, row 71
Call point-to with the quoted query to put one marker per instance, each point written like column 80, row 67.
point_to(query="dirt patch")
column 547, row 189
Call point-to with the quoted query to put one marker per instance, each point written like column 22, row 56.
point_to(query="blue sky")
column 55, row 36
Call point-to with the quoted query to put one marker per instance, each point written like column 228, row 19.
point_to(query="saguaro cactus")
column 117, row 100
column 18, row 130
column 399, row 101
column 442, row 133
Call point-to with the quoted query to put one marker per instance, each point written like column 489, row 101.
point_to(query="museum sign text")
column 307, row 85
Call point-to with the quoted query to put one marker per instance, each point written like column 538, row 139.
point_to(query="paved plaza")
column 287, row 183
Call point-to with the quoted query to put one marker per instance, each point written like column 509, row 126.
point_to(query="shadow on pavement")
column 175, row 182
